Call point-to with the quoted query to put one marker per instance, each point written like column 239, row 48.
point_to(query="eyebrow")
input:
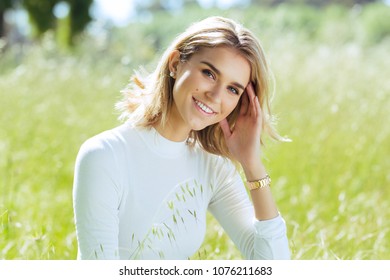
column 219, row 73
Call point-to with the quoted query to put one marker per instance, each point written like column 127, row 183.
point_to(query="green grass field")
column 331, row 182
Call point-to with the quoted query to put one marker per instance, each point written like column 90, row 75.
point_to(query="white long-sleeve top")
column 138, row 195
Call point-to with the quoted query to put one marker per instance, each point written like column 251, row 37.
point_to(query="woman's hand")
column 244, row 144
column 244, row 141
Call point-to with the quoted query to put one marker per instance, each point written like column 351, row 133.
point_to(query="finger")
column 254, row 110
column 250, row 90
column 253, row 101
column 260, row 117
column 244, row 103
column 225, row 128
column 258, row 108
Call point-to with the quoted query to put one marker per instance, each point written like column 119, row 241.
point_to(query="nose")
column 215, row 93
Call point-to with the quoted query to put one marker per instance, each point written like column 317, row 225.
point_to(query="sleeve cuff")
column 271, row 228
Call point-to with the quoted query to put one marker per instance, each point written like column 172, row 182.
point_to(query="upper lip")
column 204, row 104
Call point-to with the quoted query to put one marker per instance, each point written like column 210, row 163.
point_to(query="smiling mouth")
column 203, row 107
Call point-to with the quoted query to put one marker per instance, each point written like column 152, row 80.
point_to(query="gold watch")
column 261, row 183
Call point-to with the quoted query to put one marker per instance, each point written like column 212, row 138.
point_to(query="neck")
column 175, row 129
column 173, row 133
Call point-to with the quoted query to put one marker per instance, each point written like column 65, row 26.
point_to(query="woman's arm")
column 95, row 202
column 230, row 205
column 244, row 144
column 263, row 202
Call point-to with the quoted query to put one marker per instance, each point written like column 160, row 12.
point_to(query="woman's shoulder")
column 108, row 142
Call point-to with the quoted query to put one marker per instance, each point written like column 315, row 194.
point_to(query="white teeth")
column 204, row 107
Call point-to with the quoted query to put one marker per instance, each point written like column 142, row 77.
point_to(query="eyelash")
column 210, row 74
column 234, row 90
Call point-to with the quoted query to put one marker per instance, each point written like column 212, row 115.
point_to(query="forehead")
column 231, row 64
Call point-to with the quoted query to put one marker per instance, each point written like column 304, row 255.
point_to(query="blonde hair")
column 148, row 98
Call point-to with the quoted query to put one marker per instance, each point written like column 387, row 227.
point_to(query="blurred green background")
column 63, row 64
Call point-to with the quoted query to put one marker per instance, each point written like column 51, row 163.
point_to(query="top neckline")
column 161, row 145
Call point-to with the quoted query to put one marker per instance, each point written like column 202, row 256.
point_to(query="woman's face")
column 207, row 87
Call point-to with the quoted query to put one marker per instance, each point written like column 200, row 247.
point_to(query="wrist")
column 259, row 184
column 254, row 171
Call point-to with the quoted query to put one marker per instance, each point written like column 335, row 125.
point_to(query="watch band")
column 261, row 183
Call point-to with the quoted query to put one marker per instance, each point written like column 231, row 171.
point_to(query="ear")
column 174, row 60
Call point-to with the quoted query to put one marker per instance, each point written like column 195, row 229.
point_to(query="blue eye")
column 208, row 73
column 233, row 90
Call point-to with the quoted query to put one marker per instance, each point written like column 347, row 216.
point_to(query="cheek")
column 187, row 82
column 230, row 106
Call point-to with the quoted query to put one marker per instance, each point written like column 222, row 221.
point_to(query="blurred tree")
column 4, row 5
column 79, row 15
column 42, row 16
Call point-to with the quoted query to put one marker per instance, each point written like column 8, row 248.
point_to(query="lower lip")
column 200, row 109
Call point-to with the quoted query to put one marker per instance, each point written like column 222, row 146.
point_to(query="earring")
column 172, row 74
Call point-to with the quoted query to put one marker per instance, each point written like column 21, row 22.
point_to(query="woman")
column 142, row 190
